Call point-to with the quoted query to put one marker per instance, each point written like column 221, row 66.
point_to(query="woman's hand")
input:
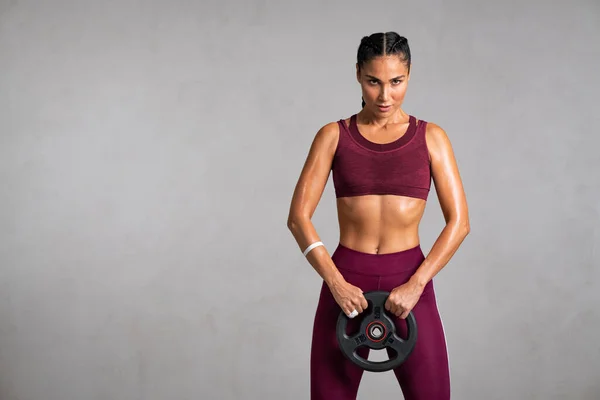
column 403, row 298
column 348, row 297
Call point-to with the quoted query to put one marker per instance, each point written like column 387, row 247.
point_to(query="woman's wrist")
column 334, row 279
column 419, row 280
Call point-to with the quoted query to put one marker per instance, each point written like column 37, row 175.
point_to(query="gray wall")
column 149, row 150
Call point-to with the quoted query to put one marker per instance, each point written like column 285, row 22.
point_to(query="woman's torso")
column 381, row 187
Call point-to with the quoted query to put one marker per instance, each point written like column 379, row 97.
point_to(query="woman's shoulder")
column 436, row 137
column 330, row 130
column 431, row 128
column 327, row 136
column 434, row 130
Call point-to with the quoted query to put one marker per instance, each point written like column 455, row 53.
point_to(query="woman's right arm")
column 307, row 195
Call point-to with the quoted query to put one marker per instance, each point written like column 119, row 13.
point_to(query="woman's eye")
column 397, row 82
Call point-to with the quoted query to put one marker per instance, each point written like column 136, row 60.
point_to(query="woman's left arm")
column 451, row 195
column 453, row 202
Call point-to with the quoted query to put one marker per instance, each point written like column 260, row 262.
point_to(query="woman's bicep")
column 315, row 172
column 446, row 176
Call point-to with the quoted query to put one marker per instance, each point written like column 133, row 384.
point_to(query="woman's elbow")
column 465, row 227
column 460, row 226
column 297, row 222
column 293, row 221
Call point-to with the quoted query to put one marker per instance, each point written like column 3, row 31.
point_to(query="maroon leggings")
column 424, row 374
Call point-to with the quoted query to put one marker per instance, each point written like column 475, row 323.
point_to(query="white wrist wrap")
column 312, row 246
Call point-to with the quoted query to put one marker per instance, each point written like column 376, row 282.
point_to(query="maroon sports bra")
column 402, row 167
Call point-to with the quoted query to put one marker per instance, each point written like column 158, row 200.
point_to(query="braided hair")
column 382, row 44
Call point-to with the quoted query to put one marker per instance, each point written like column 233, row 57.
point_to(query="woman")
column 383, row 161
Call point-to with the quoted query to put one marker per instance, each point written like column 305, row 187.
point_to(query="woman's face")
column 383, row 81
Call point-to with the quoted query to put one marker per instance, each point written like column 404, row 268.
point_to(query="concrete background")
column 148, row 154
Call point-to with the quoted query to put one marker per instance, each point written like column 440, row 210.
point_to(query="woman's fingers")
column 357, row 302
column 396, row 309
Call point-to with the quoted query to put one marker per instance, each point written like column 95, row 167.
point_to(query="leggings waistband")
column 377, row 264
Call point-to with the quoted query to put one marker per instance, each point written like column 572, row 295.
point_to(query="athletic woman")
column 382, row 162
